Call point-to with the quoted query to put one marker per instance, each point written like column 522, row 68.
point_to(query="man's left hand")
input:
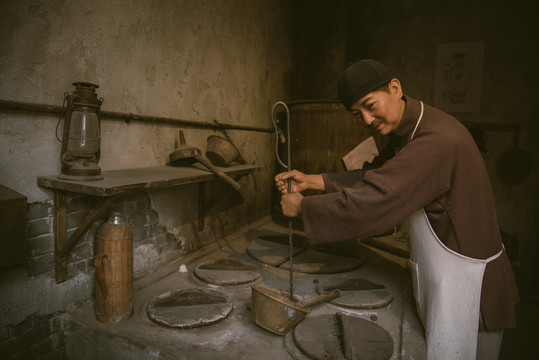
column 291, row 204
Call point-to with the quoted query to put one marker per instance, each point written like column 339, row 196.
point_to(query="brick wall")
column 136, row 207
column 41, row 336
column 38, row 337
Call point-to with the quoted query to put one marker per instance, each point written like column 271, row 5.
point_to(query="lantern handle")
column 66, row 96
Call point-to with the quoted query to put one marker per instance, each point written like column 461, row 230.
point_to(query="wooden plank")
column 121, row 181
column 13, row 210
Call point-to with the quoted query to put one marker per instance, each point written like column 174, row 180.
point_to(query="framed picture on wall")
column 459, row 77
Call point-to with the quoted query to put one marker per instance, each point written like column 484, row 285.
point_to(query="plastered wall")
column 204, row 61
column 194, row 60
column 201, row 61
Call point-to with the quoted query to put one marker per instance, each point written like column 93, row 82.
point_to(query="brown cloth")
column 440, row 170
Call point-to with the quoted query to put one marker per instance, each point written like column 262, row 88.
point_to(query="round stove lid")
column 274, row 250
column 191, row 308
column 226, row 271
column 312, row 261
column 341, row 336
column 271, row 252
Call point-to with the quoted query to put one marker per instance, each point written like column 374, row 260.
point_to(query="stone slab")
column 313, row 261
column 356, row 292
column 271, row 252
column 342, row 337
column 363, row 339
column 226, row 272
column 191, row 308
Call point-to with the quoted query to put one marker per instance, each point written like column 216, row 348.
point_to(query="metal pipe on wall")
column 127, row 117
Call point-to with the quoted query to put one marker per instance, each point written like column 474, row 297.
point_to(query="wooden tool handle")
column 322, row 298
column 216, row 171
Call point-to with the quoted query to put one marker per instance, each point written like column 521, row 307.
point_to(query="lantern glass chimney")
column 83, row 134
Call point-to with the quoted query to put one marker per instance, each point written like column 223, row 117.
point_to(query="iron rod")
column 287, row 166
column 127, row 117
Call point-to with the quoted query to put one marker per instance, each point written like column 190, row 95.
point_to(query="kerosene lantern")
column 81, row 137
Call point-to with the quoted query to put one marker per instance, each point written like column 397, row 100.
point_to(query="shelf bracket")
column 62, row 244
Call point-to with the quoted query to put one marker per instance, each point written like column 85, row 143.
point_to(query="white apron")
column 447, row 289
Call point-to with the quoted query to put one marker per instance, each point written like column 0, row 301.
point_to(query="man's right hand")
column 298, row 181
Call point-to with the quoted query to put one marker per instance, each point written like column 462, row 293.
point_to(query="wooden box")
column 13, row 210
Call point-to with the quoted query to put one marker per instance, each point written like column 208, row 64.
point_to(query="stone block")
column 40, row 264
column 75, row 267
column 40, row 210
column 79, row 202
column 24, row 340
column 40, row 245
column 39, row 227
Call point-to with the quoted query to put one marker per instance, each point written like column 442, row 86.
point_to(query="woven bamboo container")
column 114, row 270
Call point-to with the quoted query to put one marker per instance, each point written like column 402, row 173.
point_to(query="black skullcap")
column 360, row 79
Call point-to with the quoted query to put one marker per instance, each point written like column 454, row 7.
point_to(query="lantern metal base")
column 81, row 177
column 79, row 172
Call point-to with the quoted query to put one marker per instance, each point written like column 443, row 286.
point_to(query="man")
column 431, row 163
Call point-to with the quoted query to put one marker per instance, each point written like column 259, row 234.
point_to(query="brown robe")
column 440, row 170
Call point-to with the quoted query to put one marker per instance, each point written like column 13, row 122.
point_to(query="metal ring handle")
column 287, row 166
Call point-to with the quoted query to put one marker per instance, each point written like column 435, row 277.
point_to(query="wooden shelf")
column 117, row 182
column 121, row 181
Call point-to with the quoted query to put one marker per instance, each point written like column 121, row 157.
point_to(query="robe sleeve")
column 418, row 174
column 334, row 182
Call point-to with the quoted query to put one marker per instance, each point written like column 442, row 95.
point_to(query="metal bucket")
column 275, row 312
column 222, row 152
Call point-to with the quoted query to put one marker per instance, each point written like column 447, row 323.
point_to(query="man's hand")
column 298, row 182
column 291, row 204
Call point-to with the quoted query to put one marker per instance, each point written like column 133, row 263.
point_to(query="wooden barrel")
column 321, row 133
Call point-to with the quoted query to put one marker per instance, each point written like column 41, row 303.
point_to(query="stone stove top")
column 235, row 336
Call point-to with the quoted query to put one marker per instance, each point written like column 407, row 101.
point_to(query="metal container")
column 185, row 155
column 275, row 312
column 114, row 270
column 222, row 152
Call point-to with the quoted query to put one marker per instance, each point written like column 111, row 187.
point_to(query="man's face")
column 380, row 110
